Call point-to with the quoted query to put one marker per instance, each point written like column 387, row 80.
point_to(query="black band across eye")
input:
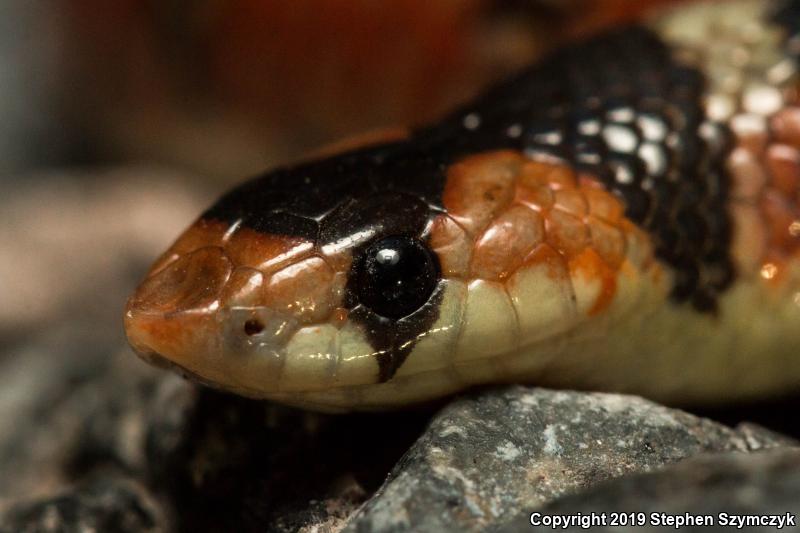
column 395, row 276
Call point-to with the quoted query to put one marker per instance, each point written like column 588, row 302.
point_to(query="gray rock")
column 485, row 457
column 105, row 504
column 76, row 414
column 241, row 465
column 767, row 482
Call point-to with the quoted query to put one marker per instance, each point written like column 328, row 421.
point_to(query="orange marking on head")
column 604, row 205
column 267, row 253
column 172, row 336
column 567, row 233
column 243, row 246
column 572, row 201
column 479, row 187
column 556, row 218
column 215, row 266
column 192, row 282
column 199, row 235
column 552, row 174
column 536, row 196
column 307, row 289
column 588, row 181
column 499, row 251
column 608, row 241
column 245, row 288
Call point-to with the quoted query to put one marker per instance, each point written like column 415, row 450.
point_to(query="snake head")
column 308, row 285
column 376, row 279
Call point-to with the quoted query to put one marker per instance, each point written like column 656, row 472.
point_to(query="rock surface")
column 132, row 435
column 106, row 504
column 767, row 482
column 485, row 457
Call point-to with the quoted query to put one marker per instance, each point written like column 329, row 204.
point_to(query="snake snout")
column 171, row 314
column 190, row 284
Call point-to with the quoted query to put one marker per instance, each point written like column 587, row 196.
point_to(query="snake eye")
column 396, row 276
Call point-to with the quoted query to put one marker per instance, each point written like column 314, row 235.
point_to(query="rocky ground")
column 138, row 450
column 92, row 439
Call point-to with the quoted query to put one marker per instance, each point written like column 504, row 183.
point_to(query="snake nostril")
column 253, row 330
column 191, row 283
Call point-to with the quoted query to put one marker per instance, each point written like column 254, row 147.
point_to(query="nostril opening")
column 253, row 327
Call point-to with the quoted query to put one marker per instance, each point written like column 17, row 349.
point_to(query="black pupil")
column 397, row 276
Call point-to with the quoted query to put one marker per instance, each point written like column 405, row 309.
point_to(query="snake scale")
column 623, row 215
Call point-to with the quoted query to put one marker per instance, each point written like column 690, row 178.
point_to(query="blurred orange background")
column 229, row 87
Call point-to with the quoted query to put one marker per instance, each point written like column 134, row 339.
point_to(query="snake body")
column 622, row 216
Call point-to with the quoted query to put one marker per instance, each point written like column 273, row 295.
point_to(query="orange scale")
column 193, row 283
column 783, row 162
column 536, row 197
column 501, row 249
column 608, row 241
column 308, row 289
column 553, row 175
column 604, row 205
column 572, row 201
column 244, row 288
column 589, row 181
column 199, row 235
column 567, row 233
column 267, row 253
column 785, row 125
column 480, row 186
column 452, row 245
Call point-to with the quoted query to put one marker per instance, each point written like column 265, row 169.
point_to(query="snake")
column 621, row 216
